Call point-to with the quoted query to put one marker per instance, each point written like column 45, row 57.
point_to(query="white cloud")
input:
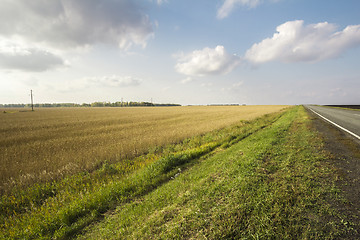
column 114, row 81
column 207, row 61
column 165, row 89
column 187, row 80
column 238, row 84
column 294, row 42
column 229, row 5
column 207, row 84
column 80, row 23
column 34, row 35
column 234, row 87
column 20, row 57
column 159, row 2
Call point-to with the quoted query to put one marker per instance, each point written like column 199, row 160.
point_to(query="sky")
column 190, row 52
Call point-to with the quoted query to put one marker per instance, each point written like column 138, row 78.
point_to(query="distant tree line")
column 130, row 104
column 94, row 104
column 22, row 105
column 229, row 104
column 346, row 106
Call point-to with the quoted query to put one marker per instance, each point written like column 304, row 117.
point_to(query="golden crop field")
column 52, row 142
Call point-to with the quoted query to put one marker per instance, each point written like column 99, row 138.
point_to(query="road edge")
column 335, row 124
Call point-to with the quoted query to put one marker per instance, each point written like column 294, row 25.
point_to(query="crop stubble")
column 53, row 142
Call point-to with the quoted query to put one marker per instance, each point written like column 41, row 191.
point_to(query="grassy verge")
column 273, row 184
column 63, row 208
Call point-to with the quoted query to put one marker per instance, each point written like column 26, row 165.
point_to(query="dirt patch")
column 344, row 156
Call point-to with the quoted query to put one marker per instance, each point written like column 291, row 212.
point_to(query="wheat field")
column 53, row 142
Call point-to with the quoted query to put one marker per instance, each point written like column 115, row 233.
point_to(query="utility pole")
column 32, row 101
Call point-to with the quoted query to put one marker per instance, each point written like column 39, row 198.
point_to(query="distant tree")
column 97, row 104
column 94, row 104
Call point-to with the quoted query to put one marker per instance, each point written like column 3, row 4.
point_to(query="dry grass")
column 50, row 143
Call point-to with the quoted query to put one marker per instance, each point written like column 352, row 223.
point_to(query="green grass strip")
column 272, row 185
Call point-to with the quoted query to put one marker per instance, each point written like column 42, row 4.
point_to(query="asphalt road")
column 347, row 119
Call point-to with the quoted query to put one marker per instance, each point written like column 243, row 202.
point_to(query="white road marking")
column 342, row 128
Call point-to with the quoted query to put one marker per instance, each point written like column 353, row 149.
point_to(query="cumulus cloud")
column 229, row 5
column 41, row 31
column 296, row 42
column 114, row 81
column 69, row 24
column 15, row 56
column 208, row 61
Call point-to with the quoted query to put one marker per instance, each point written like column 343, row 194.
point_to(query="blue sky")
column 187, row 52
